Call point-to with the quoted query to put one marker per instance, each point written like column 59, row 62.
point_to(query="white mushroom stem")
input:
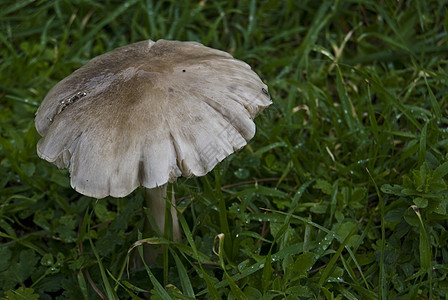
column 156, row 202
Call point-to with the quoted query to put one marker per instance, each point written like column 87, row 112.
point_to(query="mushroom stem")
column 156, row 202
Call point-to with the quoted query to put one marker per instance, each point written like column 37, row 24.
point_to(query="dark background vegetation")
column 342, row 194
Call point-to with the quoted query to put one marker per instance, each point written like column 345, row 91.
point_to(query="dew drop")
column 242, row 173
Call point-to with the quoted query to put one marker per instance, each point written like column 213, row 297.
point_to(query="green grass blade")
column 210, row 286
column 382, row 273
column 130, row 293
column 425, row 251
column 236, row 291
column 82, row 284
column 331, row 264
column 109, row 291
column 92, row 32
column 422, row 145
column 183, row 276
column 157, row 286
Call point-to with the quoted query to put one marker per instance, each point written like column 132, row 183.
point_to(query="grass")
column 342, row 194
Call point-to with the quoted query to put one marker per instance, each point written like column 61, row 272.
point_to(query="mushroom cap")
column 147, row 113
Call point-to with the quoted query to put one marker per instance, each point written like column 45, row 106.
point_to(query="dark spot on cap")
column 183, row 71
column 265, row 92
column 170, row 90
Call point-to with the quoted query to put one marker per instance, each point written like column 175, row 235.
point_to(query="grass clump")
column 341, row 194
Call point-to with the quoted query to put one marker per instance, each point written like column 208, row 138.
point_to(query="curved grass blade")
column 109, row 291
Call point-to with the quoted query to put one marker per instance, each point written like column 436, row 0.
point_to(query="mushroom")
column 147, row 113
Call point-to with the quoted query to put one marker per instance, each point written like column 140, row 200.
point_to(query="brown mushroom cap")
column 147, row 113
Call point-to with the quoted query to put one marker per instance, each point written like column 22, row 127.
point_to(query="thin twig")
column 93, row 285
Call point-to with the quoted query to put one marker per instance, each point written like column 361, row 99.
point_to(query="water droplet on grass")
column 242, row 173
